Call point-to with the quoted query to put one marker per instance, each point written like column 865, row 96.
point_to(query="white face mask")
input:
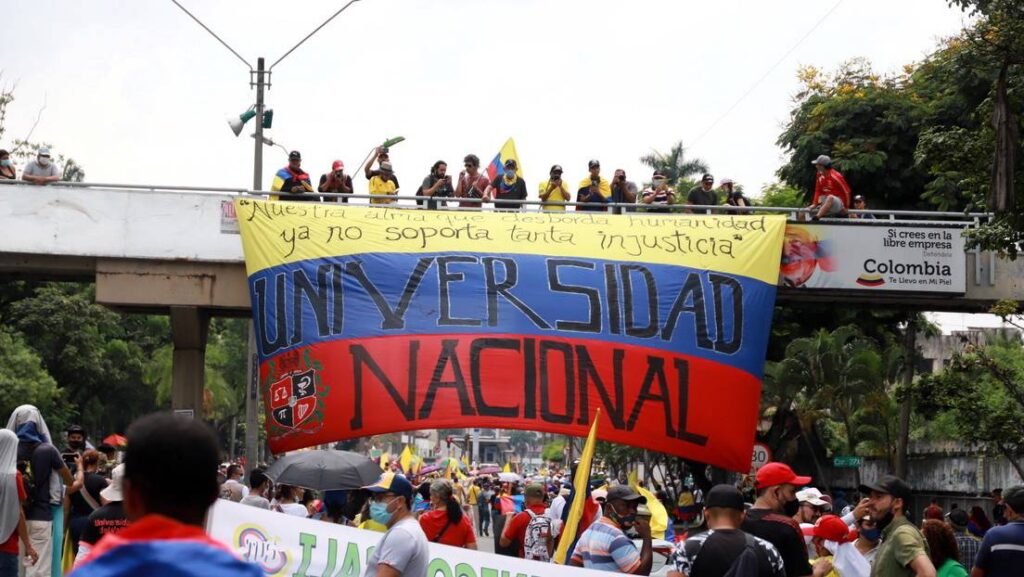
column 43, row 161
column 658, row 182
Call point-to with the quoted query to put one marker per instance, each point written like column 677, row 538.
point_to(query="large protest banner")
column 287, row 546
column 375, row 320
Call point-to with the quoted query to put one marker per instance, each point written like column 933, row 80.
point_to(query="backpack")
column 27, row 478
column 538, row 538
column 746, row 564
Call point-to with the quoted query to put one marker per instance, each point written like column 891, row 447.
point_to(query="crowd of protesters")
column 143, row 511
column 470, row 188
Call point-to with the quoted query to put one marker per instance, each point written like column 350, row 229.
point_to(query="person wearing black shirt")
column 336, row 181
column 87, row 499
column 716, row 551
column 771, row 518
column 437, row 184
column 507, row 186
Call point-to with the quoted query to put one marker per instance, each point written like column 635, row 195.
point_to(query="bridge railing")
column 870, row 217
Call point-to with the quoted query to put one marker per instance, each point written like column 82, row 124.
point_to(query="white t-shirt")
column 33, row 168
column 403, row 547
column 254, row 500
column 232, row 482
column 296, row 509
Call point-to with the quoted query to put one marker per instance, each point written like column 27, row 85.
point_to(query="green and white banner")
column 283, row 545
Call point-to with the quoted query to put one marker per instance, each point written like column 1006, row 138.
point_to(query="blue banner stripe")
column 686, row 311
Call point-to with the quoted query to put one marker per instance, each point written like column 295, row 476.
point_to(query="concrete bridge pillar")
column 189, row 327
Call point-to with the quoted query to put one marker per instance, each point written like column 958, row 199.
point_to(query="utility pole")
column 258, row 80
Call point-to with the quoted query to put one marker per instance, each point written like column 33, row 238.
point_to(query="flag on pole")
column 580, row 482
column 506, row 469
column 405, row 459
column 497, row 166
column 385, row 458
column 659, row 516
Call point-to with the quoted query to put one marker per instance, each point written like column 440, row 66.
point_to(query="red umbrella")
column 116, row 441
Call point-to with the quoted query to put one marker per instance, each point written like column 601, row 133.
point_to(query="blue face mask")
column 6, row 162
column 379, row 512
column 872, row 535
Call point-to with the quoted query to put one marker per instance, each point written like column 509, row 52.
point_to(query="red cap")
column 337, row 164
column 772, row 474
column 831, row 528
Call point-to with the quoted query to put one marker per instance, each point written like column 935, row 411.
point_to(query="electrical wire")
column 212, row 33
column 765, row 75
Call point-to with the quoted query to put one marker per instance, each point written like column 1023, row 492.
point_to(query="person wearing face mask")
column 76, row 440
column 42, row 170
column 403, row 549
column 604, row 545
column 659, row 197
column 7, row 171
column 771, row 518
column 903, row 552
column 869, row 537
column 507, row 186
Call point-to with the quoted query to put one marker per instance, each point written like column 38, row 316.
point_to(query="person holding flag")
column 605, row 547
column 507, row 186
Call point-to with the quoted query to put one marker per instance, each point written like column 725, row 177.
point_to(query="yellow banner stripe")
column 275, row 233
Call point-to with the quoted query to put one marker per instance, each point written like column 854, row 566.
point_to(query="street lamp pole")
column 257, row 158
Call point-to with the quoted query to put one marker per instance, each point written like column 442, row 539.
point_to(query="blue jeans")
column 8, row 565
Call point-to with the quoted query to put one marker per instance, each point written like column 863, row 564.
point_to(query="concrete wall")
column 969, row 474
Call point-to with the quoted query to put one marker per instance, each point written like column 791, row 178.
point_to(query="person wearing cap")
column 860, row 204
column 771, row 517
column 658, row 197
column 594, row 190
column 41, row 170
column 403, row 549
column 703, row 194
column 166, row 507
column 516, row 528
column 507, row 186
column 734, row 197
column 604, row 545
column 335, row 181
column 831, row 192
column 109, row 519
column 828, row 533
column 437, row 184
column 904, row 551
column 382, row 157
column 293, row 181
column 383, row 186
column 967, row 544
column 554, row 189
column 724, row 546
column 812, row 506
column 76, row 435
column 1002, row 550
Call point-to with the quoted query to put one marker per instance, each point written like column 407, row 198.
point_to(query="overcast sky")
column 138, row 93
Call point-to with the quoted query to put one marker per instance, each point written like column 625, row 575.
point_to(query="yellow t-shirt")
column 563, row 195
column 371, row 525
column 605, row 188
column 474, row 493
column 384, row 188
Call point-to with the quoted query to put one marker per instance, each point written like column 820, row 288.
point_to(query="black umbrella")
column 324, row 470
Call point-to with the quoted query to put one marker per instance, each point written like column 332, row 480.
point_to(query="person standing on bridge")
column 7, row 171
column 336, row 181
column 293, row 181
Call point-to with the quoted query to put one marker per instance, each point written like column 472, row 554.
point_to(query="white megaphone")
column 237, row 122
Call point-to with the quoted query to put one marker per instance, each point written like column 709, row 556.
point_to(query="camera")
column 595, row 182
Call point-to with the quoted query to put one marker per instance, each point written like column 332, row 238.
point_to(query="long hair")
column 442, row 489
column 941, row 542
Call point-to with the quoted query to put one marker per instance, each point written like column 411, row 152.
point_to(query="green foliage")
column 675, row 165
column 23, row 380
column 553, row 452
column 24, row 149
column 866, row 124
column 981, row 396
column 780, row 195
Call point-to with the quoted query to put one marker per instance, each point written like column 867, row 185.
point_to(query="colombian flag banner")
column 497, row 166
column 371, row 320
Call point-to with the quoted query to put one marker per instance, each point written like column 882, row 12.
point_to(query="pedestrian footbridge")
column 176, row 251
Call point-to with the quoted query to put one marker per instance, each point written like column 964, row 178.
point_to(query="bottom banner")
column 285, row 545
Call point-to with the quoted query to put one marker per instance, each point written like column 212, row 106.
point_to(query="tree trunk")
column 909, row 352
column 1001, row 197
column 851, row 444
column 1013, row 461
column 814, row 456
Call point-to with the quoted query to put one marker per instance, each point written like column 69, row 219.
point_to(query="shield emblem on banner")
column 293, row 398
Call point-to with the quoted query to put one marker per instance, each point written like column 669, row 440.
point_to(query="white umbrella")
column 509, row 477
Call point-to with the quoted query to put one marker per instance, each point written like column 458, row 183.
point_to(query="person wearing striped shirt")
column 604, row 545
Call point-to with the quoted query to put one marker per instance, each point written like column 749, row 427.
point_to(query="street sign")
column 846, row 461
column 762, row 454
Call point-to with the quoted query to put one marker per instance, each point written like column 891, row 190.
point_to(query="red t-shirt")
column 460, row 535
column 11, row 544
column 831, row 182
column 515, row 530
